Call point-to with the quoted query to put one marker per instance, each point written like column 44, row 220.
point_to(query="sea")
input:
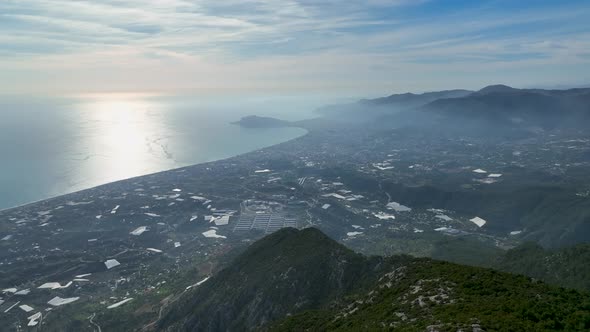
column 50, row 146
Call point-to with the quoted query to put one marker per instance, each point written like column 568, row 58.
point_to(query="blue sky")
column 343, row 47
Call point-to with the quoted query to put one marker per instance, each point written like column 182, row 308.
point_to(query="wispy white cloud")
column 185, row 44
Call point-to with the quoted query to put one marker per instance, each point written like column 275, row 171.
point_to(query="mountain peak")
column 305, row 281
column 288, row 271
column 497, row 88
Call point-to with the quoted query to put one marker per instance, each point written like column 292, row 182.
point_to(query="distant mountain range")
column 304, row 281
column 524, row 107
column 410, row 99
column 497, row 104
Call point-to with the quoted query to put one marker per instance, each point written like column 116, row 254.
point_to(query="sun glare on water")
column 125, row 134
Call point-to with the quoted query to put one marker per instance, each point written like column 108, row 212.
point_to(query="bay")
column 51, row 146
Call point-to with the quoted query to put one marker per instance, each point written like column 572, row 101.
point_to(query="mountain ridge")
column 500, row 105
column 410, row 98
column 286, row 271
column 566, row 267
column 506, row 106
column 268, row 284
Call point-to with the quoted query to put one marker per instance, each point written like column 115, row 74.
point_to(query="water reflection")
column 51, row 147
column 124, row 136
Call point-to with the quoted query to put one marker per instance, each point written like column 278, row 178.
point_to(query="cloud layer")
column 362, row 46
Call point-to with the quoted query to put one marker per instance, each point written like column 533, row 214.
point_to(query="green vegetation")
column 465, row 250
column 285, row 272
column 543, row 210
column 303, row 281
column 566, row 267
column 451, row 297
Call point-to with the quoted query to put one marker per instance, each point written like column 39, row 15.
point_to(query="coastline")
column 172, row 170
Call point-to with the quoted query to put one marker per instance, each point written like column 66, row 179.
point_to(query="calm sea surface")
column 53, row 146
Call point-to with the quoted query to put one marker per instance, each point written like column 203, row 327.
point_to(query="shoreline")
column 159, row 172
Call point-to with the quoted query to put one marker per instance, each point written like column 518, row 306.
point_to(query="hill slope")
column 435, row 296
column 369, row 109
column 495, row 108
column 283, row 273
column 302, row 280
column 567, row 267
column 411, row 99
column 500, row 104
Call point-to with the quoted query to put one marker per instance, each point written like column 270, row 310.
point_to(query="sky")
column 345, row 47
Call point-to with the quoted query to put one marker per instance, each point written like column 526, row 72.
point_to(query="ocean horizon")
column 51, row 146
